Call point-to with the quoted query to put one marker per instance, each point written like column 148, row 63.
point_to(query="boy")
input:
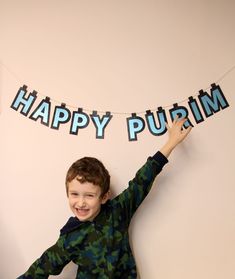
column 96, row 239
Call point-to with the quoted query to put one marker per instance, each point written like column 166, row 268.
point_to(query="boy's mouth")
column 82, row 211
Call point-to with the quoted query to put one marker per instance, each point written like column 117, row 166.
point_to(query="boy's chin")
column 87, row 218
column 83, row 218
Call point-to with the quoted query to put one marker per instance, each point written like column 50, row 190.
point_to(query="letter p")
column 135, row 125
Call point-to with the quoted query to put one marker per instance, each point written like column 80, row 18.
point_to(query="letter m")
column 215, row 102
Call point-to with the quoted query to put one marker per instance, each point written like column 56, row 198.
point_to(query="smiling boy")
column 87, row 186
column 97, row 238
column 84, row 200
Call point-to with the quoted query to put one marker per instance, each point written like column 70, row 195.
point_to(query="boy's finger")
column 187, row 131
column 176, row 118
column 167, row 126
column 182, row 121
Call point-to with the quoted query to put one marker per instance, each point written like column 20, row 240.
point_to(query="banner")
column 196, row 110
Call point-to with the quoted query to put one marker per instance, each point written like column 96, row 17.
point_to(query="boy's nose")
column 81, row 202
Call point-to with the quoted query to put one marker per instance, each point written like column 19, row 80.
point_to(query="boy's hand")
column 176, row 132
column 176, row 135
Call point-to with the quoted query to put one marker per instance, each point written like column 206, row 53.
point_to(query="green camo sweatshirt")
column 100, row 248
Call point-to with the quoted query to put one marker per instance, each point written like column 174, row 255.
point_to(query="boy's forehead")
column 76, row 184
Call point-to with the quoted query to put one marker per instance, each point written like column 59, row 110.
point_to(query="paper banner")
column 196, row 110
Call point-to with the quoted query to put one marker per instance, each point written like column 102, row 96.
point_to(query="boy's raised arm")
column 139, row 187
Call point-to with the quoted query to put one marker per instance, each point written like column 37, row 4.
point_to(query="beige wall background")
column 121, row 56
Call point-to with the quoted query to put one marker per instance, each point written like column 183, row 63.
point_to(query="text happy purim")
column 197, row 110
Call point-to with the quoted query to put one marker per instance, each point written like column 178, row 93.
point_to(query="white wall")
column 122, row 56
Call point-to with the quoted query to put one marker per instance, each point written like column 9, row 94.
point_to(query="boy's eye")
column 90, row 195
column 74, row 194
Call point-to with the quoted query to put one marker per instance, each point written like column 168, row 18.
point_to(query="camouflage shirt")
column 100, row 248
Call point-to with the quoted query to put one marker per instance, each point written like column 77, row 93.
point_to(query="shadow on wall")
column 68, row 272
column 10, row 253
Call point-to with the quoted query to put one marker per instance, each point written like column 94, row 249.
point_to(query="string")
column 18, row 79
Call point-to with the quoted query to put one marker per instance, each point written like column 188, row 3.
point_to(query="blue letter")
column 195, row 110
column 181, row 112
column 42, row 111
column 135, row 124
column 61, row 115
column 79, row 120
column 213, row 103
column 161, row 115
column 25, row 102
column 100, row 123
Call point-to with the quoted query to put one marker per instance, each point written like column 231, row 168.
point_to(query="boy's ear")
column 105, row 197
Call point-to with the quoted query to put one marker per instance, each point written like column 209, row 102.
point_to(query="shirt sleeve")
column 131, row 198
column 51, row 262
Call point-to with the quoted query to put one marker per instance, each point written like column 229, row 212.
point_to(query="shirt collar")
column 74, row 223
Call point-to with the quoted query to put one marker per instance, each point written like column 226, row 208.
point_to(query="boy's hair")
column 89, row 169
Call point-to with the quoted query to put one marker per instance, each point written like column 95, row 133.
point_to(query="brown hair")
column 91, row 170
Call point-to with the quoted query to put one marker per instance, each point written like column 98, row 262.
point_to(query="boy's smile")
column 85, row 199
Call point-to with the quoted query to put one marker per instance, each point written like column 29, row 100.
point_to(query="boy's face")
column 85, row 199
